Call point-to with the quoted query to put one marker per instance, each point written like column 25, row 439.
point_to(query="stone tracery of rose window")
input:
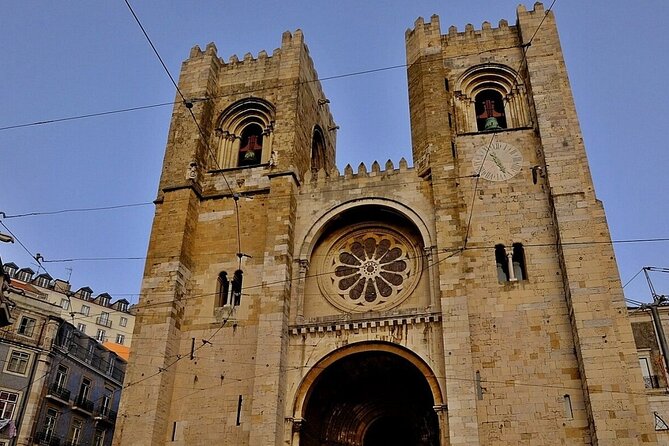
column 370, row 269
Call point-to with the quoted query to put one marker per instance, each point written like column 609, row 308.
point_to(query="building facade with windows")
column 95, row 316
column 653, row 363
column 57, row 385
column 440, row 304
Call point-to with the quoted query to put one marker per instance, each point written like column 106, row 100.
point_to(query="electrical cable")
column 248, row 91
column 90, row 209
column 635, row 276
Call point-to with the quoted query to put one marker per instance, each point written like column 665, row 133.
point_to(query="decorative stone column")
column 442, row 415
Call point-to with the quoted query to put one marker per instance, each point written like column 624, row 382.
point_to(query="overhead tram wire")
column 90, row 209
column 146, row 203
column 38, row 258
column 84, row 116
column 445, row 250
column 189, row 106
column 524, row 48
column 252, row 90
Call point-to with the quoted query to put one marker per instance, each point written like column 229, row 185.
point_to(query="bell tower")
column 237, row 150
column 494, row 128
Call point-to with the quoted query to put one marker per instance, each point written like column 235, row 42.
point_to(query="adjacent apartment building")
column 95, row 316
column 57, row 385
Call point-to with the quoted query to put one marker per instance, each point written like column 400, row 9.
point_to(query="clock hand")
column 498, row 162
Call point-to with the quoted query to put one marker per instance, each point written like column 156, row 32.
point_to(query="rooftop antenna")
column 69, row 274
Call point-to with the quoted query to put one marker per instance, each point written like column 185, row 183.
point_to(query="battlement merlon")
column 426, row 38
column 288, row 41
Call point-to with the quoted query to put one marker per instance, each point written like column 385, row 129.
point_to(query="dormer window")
column 250, row 150
column 25, row 274
column 42, row 281
column 85, row 294
column 10, row 269
column 490, row 111
column 123, row 306
column 103, row 300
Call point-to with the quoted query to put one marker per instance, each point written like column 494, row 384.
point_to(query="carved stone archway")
column 367, row 396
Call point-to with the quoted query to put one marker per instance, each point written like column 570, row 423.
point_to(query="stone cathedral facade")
column 471, row 299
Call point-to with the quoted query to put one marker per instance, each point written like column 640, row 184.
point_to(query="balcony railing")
column 651, row 382
column 104, row 321
column 59, row 392
column 106, row 414
column 93, row 358
column 47, row 439
column 83, row 404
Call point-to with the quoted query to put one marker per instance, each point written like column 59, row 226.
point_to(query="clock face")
column 498, row 162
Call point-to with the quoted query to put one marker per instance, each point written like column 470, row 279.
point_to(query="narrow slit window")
column 317, row 150
column 223, row 288
column 568, row 410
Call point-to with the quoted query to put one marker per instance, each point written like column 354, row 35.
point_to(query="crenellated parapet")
column 321, row 178
column 292, row 45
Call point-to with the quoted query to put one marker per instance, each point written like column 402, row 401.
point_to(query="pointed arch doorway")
column 369, row 398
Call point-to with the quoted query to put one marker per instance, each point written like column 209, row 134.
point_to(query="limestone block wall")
column 544, row 360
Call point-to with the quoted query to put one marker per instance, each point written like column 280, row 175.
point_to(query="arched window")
column 317, row 150
column 237, row 287
column 490, row 110
column 502, row 264
column 510, row 265
column 518, row 261
column 243, row 133
column 490, row 94
column 251, row 145
column 222, row 289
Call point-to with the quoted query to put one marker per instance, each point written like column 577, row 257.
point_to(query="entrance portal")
column 370, row 398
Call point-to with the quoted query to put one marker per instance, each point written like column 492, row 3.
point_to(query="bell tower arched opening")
column 370, row 398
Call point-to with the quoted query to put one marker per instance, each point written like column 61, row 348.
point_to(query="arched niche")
column 318, row 152
column 367, row 394
column 491, row 82
column 244, row 133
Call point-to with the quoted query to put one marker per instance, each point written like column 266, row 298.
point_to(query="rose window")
column 370, row 269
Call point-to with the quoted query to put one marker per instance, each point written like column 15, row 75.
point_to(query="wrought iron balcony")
column 58, row 392
column 106, row 414
column 83, row 404
column 104, row 321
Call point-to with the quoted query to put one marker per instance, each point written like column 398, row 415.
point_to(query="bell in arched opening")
column 251, row 145
column 490, row 111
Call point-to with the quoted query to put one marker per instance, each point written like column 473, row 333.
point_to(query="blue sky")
column 69, row 58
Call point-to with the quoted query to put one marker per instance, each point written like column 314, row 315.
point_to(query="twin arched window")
column 224, row 286
column 510, row 265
